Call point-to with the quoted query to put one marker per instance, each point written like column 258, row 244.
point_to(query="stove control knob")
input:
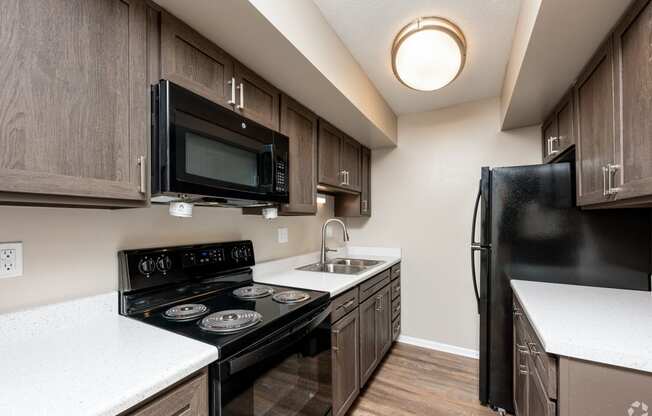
column 146, row 266
column 235, row 253
column 164, row 264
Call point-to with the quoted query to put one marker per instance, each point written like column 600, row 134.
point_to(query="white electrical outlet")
column 11, row 260
column 282, row 235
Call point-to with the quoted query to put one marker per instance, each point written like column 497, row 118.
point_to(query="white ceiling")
column 368, row 27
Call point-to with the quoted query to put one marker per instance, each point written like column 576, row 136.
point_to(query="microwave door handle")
column 290, row 338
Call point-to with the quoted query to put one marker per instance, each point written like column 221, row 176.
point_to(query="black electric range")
column 273, row 341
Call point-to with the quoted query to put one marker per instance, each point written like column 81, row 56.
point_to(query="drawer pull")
column 336, row 347
column 533, row 348
column 348, row 304
column 522, row 369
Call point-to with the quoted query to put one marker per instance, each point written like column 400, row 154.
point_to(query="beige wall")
column 422, row 200
column 70, row 253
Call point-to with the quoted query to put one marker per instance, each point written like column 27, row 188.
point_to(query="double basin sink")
column 341, row 266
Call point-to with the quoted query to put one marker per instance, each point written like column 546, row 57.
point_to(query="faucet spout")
column 345, row 237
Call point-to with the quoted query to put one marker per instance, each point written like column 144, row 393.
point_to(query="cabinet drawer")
column 545, row 365
column 396, row 288
column 344, row 304
column 396, row 307
column 396, row 271
column 396, row 328
column 189, row 398
column 374, row 284
column 538, row 402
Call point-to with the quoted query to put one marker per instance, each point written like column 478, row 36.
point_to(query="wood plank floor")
column 419, row 381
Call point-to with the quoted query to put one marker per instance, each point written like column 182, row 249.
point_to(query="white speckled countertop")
column 608, row 326
column 283, row 272
column 82, row 358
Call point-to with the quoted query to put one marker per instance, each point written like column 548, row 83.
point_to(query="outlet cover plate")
column 11, row 259
column 283, row 235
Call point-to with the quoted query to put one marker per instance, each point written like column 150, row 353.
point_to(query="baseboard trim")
column 439, row 346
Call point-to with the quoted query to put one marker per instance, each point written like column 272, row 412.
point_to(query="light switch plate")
column 11, row 259
column 283, row 235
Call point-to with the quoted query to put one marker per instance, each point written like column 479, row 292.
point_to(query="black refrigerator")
column 530, row 229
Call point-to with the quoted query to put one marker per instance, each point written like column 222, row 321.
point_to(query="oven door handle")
column 289, row 338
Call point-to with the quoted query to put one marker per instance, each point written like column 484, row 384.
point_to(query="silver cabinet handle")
column 336, row 347
column 348, row 304
column 142, row 164
column 604, row 181
column 516, row 312
column 232, row 84
column 533, row 348
column 343, row 176
column 346, row 173
column 377, row 303
column 365, row 205
column 241, row 105
column 522, row 369
column 611, row 171
column 552, row 141
column 522, row 348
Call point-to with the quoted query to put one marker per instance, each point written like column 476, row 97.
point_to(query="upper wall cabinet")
column 632, row 173
column 194, row 62
column 300, row 125
column 74, row 123
column 190, row 60
column 357, row 205
column 339, row 159
column 594, row 99
column 558, row 131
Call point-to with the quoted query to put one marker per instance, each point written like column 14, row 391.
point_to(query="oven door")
column 289, row 374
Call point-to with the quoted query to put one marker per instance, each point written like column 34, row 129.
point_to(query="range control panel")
column 148, row 268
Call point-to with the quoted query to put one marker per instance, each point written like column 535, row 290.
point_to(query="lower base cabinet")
column 346, row 379
column 187, row 398
column 365, row 322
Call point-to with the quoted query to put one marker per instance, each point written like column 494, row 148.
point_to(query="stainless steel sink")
column 356, row 262
column 332, row 268
column 341, row 266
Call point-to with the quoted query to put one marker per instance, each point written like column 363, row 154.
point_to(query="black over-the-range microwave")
column 209, row 155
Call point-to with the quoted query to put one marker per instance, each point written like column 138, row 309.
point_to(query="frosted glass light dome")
column 428, row 54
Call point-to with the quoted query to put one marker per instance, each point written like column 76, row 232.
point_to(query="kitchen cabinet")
column 193, row 62
column 375, row 331
column 188, row 398
column 534, row 371
column 395, row 274
column 632, row 166
column 256, row 99
column 357, row 205
column 346, row 378
column 300, row 125
column 75, row 124
column 339, row 159
column 596, row 109
column 558, row 130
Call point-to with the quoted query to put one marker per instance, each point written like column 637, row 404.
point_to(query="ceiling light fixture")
column 428, row 53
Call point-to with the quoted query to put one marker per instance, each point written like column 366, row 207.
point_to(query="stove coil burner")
column 291, row 296
column 186, row 312
column 228, row 321
column 253, row 292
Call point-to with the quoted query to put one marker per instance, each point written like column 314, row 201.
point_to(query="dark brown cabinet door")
column 538, row 403
column 300, row 125
column 595, row 118
column 550, row 136
column 633, row 173
column 350, row 157
column 330, row 140
column 565, row 126
column 369, row 352
column 193, row 62
column 256, row 98
column 384, row 321
column 346, row 377
column 189, row 398
column 74, row 127
column 365, row 194
column 520, row 368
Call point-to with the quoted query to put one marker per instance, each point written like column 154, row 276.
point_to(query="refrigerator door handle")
column 475, row 246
